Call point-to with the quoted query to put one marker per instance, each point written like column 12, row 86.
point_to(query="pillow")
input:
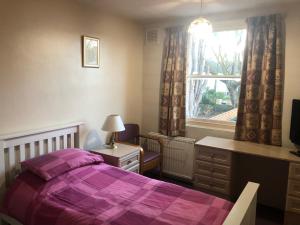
column 54, row 164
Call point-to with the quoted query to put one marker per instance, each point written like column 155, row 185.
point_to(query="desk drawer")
column 294, row 171
column 213, row 155
column 294, row 188
column 293, row 204
column 212, row 170
column 212, row 184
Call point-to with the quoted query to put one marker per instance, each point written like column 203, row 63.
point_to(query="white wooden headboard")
column 17, row 147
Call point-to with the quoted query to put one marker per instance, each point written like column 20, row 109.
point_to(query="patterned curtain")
column 172, row 105
column 260, row 105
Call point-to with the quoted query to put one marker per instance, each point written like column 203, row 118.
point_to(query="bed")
column 102, row 194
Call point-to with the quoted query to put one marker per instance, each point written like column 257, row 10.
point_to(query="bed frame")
column 17, row 147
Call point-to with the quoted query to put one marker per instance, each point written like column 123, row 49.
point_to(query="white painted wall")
column 151, row 84
column 152, row 68
column 42, row 82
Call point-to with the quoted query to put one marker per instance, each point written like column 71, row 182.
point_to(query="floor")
column 264, row 215
column 269, row 216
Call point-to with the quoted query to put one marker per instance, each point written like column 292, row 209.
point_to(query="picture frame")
column 90, row 52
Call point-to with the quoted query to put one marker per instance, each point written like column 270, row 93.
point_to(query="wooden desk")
column 220, row 165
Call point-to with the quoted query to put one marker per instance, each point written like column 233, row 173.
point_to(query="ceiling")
column 149, row 10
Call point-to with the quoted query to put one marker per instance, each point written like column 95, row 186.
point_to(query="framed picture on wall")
column 90, row 52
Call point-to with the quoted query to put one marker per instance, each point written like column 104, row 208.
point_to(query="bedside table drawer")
column 134, row 163
column 124, row 156
column 124, row 162
column 135, row 169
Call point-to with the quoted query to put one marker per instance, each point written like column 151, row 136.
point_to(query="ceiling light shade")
column 200, row 28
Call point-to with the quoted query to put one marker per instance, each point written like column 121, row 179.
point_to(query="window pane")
column 213, row 98
column 219, row 54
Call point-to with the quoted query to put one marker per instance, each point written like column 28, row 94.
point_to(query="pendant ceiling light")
column 201, row 27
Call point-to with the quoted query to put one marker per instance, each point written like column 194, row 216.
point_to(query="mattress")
column 106, row 195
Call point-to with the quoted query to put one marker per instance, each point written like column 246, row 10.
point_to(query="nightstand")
column 124, row 156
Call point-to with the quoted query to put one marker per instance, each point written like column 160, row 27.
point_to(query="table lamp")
column 113, row 124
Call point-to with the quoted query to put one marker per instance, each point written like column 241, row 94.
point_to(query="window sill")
column 227, row 127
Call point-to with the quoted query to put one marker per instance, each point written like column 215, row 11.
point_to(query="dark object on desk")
column 150, row 158
column 295, row 125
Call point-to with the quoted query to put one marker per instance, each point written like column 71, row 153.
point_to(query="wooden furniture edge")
column 244, row 210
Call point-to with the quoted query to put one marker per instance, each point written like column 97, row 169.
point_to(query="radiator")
column 178, row 157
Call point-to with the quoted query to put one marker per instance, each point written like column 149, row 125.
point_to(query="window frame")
column 209, row 123
column 199, row 76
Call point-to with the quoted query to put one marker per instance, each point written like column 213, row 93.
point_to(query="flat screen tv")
column 295, row 122
column 295, row 126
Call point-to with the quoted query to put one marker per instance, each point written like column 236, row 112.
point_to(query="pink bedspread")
column 101, row 194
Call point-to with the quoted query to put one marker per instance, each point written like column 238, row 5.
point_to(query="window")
column 214, row 75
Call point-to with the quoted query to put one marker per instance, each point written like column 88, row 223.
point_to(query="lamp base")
column 110, row 146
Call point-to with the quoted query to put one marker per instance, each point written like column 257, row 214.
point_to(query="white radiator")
column 178, row 158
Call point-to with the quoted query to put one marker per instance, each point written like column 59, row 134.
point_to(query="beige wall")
column 292, row 69
column 42, row 82
column 152, row 68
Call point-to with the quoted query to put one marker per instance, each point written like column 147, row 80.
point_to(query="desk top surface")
column 268, row 151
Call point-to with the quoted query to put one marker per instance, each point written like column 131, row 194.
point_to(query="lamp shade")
column 113, row 123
